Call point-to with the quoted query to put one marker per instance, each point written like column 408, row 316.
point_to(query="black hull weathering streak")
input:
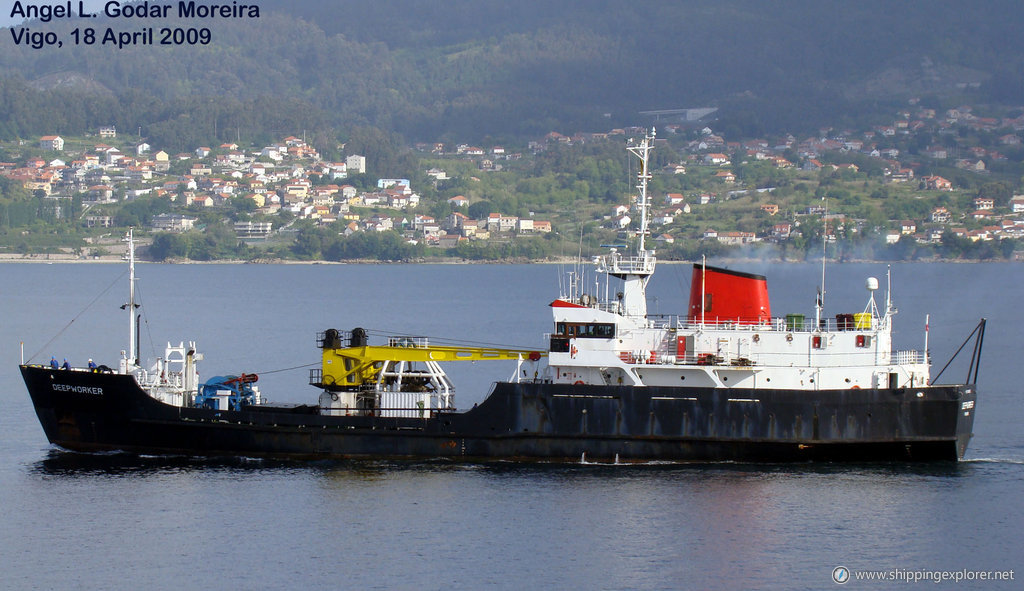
column 87, row 411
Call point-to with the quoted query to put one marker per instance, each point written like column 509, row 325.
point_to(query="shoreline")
column 49, row 259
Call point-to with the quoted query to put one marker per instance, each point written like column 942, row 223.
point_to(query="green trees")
column 139, row 212
column 384, row 246
column 166, row 246
column 327, row 244
column 387, row 154
column 960, row 247
column 215, row 242
column 472, row 70
column 997, row 191
column 309, row 243
column 480, row 210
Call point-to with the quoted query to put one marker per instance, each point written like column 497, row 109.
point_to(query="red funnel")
column 729, row 296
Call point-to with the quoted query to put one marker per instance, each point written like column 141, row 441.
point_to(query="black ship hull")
column 86, row 411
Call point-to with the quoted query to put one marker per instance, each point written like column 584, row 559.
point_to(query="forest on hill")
column 478, row 70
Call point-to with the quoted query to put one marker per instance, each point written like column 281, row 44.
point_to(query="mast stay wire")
column 77, row 316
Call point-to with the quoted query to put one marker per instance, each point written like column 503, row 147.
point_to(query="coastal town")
column 928, row 177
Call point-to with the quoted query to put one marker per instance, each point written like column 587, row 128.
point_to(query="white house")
column 388, row 183
column 272, row 152
column 51, row 142
column 172, row 222
column 356, row 164
column 716, row 159
column 252, row 229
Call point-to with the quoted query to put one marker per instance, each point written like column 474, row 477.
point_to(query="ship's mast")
column 130, row 306
column 634, row 271
column 643, row 151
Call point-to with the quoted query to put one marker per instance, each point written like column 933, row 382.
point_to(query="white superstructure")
column 606, row 337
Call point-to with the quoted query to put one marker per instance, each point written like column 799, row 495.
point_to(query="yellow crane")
column 359, row 364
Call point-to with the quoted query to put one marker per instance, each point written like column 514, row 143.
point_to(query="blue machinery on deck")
column 227, row 392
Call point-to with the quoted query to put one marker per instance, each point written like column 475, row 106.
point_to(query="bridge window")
column 559, row 345
column 589, row 330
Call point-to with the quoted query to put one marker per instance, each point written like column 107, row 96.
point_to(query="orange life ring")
column 855, row 387
column 757, row 338
column 578, row 382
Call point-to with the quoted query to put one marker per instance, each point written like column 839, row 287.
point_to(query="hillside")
column 471, row 69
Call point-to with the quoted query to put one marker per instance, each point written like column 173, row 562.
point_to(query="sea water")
column 122, row 521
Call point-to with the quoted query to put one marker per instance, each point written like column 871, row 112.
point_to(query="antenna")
column 819, row 304
column 872, row 286
column 888, row 290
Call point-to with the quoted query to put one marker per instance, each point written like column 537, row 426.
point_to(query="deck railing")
column 629, row 265
column 768, row 359
column 777, row 324
column 909, row 357
column 409, row 342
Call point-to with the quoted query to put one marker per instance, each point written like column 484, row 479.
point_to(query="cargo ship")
column 723, row 381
